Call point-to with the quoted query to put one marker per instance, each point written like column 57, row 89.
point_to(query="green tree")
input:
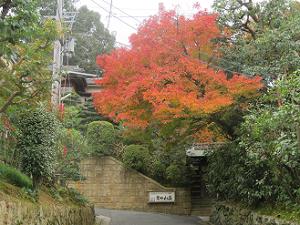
column 38, row 132
column 263, row 38
column 263, row 164
column 92, row 39
column 88, row 114
column 25, row 47
column 101, row 136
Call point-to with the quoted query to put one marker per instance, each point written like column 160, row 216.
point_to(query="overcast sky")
column 139, row 9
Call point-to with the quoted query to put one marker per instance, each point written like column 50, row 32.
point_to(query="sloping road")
column 121, row 217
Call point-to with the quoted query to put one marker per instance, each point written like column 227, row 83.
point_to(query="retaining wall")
column 109, row 184
column 23, row 213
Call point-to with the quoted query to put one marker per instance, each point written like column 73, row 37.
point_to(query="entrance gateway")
column 201, row 203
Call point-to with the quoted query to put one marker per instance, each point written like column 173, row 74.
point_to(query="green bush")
column 233, row 175
column 36, row 144
column 137, row 157
column 263, row 165
column 174, row 173
column 14, row 176
column 71, row 194
column 101, row 136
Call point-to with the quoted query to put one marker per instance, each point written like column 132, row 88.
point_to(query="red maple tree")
column 164, row 75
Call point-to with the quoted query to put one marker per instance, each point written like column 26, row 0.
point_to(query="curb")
column 103, row 220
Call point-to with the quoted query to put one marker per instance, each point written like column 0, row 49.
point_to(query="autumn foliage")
column 164, row 75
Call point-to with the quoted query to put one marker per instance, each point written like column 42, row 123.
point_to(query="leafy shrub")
column 73, row 195
column 14, row 176
column 166, row 144
column 174, row 172
column 101, row 136
column 233, row 175
column 157, row 168
column 137, row 157
column 263, row 166
column 38, row 130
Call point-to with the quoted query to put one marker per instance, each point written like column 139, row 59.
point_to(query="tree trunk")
column 9, row 101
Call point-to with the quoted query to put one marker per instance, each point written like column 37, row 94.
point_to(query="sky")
column 133, row 12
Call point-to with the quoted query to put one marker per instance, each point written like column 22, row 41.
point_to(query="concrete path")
column 121, row 217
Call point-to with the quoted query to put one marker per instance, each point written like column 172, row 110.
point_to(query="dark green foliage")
column 38, row 130
column 166, row 145
column 174, row 173
column 71, row 119
column 101, row 136
column 88, row 114
column 137, row 157
column 92, row 39
column 232, row 175
column 263, row 165
column 14, row 176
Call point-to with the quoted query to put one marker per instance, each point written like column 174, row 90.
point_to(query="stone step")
column 201, row 199
column 201, row 203
column 201, row 206
column 205, row 211
column 196, row 188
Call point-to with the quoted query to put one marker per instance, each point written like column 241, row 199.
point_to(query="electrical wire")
column 127, row 24
column 120, row 10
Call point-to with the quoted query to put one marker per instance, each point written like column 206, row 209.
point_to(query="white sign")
column 161, row 197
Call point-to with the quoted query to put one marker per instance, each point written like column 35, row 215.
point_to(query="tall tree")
column 263, row 37
column 92, row 39
column 163, row 76
column 26, row 43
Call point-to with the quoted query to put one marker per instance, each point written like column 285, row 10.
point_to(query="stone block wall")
column 24, row 213
column 225, row 214
column 109, row 184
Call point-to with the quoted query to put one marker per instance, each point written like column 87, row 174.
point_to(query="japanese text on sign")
column 160, row 197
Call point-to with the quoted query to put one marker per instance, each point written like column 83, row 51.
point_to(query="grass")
column 16, row 184
column 15, row 177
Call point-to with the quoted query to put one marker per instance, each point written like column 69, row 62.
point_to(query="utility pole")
column 110, row 14
column 57, row 58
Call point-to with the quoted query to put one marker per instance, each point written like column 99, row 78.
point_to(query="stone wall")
column 24, row 213
column 225, row 214
column 109, row 184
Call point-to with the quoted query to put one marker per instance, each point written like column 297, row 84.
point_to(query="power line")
column 122, row 11
column 127, row 24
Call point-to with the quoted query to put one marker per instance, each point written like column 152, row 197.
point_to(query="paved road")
column 120, row 217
